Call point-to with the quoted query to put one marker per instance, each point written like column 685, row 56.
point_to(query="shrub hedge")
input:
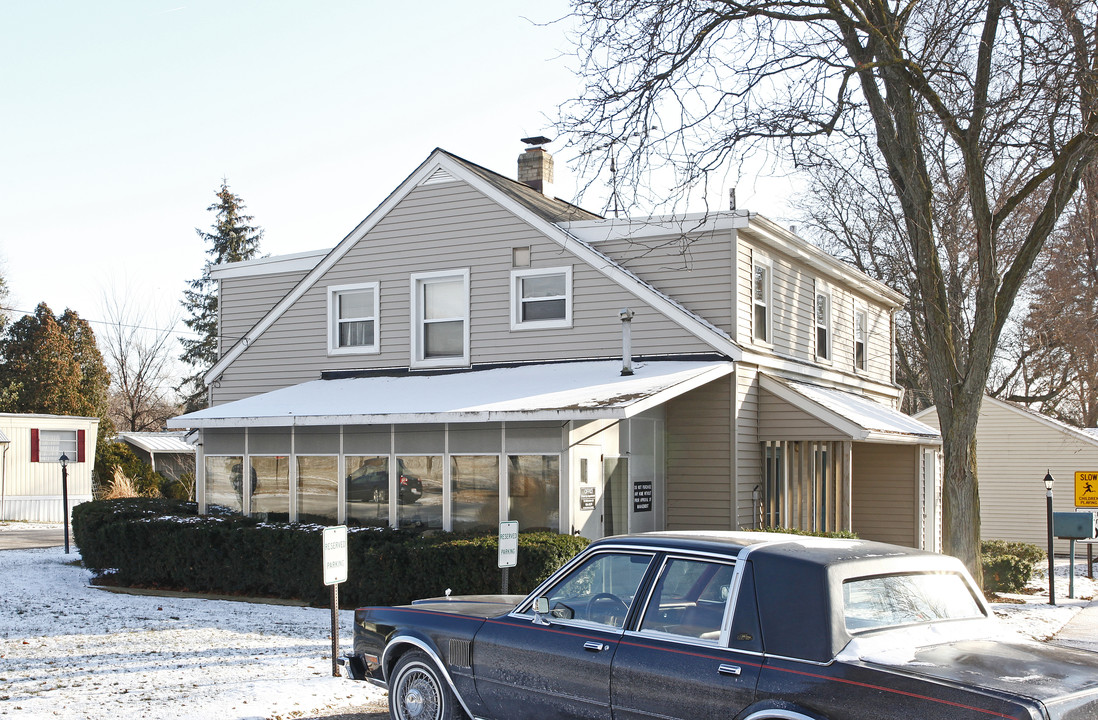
column 1008, row 566
column 165, row 543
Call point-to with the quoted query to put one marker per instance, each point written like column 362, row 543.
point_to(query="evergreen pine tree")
column 232, row 238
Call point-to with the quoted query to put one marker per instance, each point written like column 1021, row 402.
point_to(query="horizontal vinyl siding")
column 449, row 227
column 780, row 420
column 699, row 459
column 696, row 273
column 1013, row 453
column 245, row 300
column 749, row 457
column 884, row 493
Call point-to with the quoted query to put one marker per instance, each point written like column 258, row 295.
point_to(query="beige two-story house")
column 477, row 350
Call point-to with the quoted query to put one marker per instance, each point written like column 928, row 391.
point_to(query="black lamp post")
column 1048, row 519
column 64, row 461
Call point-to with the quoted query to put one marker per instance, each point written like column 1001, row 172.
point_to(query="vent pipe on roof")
column 626, row 316
column 535, row 166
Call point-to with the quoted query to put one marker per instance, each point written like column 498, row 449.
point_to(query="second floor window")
column 761, row 293
column 352, row 323
column 823, row 325
column 861, row 325
column 541, row 298
column 441, row 312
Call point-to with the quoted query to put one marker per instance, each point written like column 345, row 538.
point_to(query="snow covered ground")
column 72, row 651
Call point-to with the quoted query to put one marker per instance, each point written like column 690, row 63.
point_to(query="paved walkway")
column 14, row 537
column 1082, row 630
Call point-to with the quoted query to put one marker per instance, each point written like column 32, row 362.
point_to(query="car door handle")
column 595, row 646
column 729, row 670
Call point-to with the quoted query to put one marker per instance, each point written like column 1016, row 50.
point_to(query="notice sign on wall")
column 1086, row 490
column 335, row 554
column 587, row 498
column 642, row 496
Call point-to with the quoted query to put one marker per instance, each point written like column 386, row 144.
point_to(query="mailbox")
column 1075, row 525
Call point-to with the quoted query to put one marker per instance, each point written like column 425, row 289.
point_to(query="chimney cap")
column 537, row 140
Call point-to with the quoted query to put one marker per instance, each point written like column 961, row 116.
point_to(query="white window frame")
column 334, row 291
column 517, row 276
column 822, row 289
column 761, row 261
column 860, row 310
column 418, row 280
column 64, row 441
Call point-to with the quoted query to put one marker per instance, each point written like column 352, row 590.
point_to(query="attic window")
column 541, row 298
column 352, row 319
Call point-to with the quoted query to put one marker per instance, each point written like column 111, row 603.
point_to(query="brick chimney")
column 535, row 166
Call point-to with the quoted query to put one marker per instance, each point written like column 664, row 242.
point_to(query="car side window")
column 689, row 599
column 600, row 590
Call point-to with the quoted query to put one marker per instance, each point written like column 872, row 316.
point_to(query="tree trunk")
column 960, row 491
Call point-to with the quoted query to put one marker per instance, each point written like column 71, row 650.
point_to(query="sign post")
column 335, row 572
column 508, row 548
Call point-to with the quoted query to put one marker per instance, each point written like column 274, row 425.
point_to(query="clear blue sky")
column 120, row 118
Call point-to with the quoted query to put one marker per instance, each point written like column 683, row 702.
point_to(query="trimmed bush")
column 1008, row 566
column 165, row 543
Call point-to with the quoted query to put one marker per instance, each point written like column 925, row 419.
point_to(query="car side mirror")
column 541, row 609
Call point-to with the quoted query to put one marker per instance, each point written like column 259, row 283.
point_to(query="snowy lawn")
column 1030, row 613
column 76, row 652
column 72, row 651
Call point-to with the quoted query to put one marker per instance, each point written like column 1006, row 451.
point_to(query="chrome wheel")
column 418, row 692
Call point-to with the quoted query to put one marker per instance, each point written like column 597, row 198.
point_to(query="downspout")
column 3, row 479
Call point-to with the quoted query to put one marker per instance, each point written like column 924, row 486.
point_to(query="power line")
column 114, row 324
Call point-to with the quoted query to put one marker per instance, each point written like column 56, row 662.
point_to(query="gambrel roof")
column 540, row 212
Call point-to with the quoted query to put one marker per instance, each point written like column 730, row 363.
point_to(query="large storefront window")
column 271, row 491
column 534, row 491
column 368, row 491
column 224, row 484
column 474, row 481
column 424, row 472
column 317, row 488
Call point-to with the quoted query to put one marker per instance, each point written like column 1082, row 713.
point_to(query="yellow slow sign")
column 1086, row 489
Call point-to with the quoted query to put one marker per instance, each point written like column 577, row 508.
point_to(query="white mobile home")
column 30, row 472
column 477, row 350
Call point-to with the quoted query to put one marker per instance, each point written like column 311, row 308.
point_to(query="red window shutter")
column 34, row 445
column 80, row 446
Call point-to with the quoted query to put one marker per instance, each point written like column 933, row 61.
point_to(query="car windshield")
column 891, row 600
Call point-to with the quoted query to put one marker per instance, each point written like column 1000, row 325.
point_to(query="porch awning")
column 556, row 391
column 791, row 410
column 157, row 442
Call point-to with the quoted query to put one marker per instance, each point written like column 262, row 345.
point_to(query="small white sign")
column 335, row 554
column 508, row 543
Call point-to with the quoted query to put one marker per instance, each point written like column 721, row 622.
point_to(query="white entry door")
column 587, row 490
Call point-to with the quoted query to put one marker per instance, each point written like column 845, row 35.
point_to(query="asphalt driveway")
column 13, row 536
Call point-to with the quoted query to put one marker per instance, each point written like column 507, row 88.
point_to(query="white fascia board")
column 826, row 415
column 334, row 255
column 694, row 325
column 900, row 439
column 786, row 242
column 808, row 371
column 295, row 262
column 615, row 413
column 595, row 231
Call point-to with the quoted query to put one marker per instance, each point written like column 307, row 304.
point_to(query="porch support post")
column 847, row 501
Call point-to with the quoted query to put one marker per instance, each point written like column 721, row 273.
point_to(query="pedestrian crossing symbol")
column 1086, row 490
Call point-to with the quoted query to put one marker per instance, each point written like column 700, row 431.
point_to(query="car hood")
column 483, row 606
column 1049, row 673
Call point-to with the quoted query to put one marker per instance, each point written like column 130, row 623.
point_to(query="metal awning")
column 159, row 442
column 804, row 411
column 546, row 392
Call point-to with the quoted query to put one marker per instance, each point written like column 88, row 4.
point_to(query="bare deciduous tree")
column 140, row 359
column 1001, row 94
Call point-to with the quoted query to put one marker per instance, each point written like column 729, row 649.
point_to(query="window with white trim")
column 861, row 338
column 823, row 322
column 353, row 319
column 54, row 443
column 541, row 298
column 440, row 310
column 761, row 294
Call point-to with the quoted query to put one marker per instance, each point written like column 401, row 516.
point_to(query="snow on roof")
column 158, row 442
column 557, row 391
column 869, row 417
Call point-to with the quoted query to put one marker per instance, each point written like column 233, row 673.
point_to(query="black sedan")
column 699, row 626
